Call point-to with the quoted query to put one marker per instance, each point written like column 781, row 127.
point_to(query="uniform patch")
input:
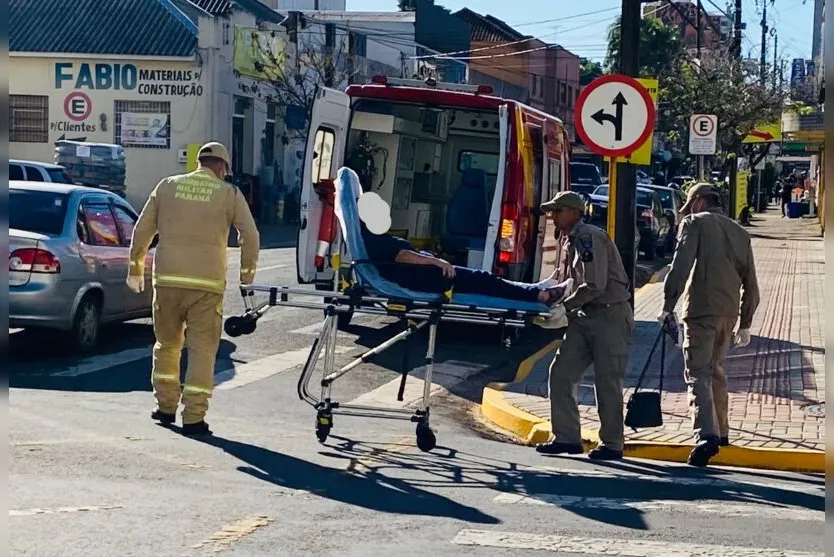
column 585, row 247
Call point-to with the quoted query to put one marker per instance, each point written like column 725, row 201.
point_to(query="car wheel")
column 86, row 324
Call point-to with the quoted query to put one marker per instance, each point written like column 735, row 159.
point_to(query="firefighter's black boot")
column 163, row 417
column 703, row 451
column 196, row 429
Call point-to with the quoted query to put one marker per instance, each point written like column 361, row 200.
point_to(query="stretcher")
column 369, row 293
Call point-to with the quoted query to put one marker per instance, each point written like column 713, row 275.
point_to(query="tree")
column 660, row 48
column 289, row 72
column 589, row 70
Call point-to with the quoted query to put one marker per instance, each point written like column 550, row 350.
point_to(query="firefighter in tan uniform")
column 600, row 326
column 192, row 214
column 713, row 263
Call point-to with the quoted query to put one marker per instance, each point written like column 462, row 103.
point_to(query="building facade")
column 158, row 79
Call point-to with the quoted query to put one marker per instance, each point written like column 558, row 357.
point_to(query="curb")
column 530, row 429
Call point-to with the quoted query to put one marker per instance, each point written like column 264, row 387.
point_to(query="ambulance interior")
column 435, row 167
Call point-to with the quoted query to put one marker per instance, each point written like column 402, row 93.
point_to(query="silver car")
column 68, row 260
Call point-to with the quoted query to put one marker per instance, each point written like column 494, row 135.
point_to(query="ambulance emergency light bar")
column 432, row 84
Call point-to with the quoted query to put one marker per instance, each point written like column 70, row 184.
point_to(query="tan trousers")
column 705, row 344
column 193, row 318
column 602, row 338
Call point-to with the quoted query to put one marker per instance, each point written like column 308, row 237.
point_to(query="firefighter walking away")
column 192, row 214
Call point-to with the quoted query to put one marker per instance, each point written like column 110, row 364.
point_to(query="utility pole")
column 737, row 28
column 763, row 61
column 626, row 190
column 698, row 37
column 775, row 59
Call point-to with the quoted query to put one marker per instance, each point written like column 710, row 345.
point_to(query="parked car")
column 597, row 215
column 652, row 223
column 68, row 260
column 584, row 177
column 34, row 171
column 671, row 200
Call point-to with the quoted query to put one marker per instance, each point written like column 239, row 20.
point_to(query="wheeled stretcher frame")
column 414, row 316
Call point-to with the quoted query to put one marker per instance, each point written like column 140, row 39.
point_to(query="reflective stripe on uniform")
column 196, row 390
column 216, row 286
column 166, row 378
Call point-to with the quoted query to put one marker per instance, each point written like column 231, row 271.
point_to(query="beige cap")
column 565, row 200
column 217, row 150
column 697, row 191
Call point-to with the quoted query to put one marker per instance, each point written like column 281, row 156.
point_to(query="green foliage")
column 660, row 48
column 589, row 70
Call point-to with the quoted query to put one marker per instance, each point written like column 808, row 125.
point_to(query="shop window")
column 142, row 124
column 323, row 155
column 28, row 119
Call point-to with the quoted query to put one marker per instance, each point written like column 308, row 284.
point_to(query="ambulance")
column 464, row 173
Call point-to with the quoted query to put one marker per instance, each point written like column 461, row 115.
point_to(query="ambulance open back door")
column 323, row 156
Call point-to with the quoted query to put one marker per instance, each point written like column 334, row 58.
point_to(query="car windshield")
column 59, row 176
column 37, row 211
column 602, row 190
column 584, row 174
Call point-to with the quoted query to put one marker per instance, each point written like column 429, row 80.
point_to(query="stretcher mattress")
column 348, row 190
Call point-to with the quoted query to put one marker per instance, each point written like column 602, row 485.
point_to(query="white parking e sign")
column 703, row 132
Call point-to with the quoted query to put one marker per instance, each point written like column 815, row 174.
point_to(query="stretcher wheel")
column 232, row 326
column 426, row 440
column 323, row 425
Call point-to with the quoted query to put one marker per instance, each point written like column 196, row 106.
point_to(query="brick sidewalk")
column 770, row 382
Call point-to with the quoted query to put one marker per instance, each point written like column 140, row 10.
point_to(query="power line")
column 557, row 19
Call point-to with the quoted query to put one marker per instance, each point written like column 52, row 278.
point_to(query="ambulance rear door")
column 495, row 209
column 324, row 155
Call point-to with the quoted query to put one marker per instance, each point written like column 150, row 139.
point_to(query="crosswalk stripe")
column 61, row 510
column 724, row 509
column 734, row 482
column 102, row 362
column 608, row 546
column 245, row 374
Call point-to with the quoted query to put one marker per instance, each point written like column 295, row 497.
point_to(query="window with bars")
column 142, row 124
column 28, row 119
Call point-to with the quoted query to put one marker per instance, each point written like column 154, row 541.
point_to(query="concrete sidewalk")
column 776, row 384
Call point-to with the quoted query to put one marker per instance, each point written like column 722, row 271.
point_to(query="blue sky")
column 585, row 34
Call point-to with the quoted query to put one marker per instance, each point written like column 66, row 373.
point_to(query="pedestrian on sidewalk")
column 192, row 214
column 717, row 254
column 599, row 332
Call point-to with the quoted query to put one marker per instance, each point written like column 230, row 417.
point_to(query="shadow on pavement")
column 122, row 363
column 375, row 492
column 449, row 468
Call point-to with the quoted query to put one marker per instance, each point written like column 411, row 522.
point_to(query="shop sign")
column 77, row 109
column 128, row 77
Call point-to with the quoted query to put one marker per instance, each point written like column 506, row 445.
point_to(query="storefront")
column 153, row 107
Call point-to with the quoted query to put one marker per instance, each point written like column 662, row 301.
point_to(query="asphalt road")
column 91, row 474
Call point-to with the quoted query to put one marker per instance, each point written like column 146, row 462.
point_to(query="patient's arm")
column 413, row 258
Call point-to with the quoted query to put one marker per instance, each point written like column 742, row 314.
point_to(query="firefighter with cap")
column 599, row 332
column 713, row 264
column 192, row 214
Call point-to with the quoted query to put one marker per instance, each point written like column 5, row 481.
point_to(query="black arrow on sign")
column 617, row 119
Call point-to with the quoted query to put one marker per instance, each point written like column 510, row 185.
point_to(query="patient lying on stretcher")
column 400, row 263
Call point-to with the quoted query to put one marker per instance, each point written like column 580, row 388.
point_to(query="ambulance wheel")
column 426, row 440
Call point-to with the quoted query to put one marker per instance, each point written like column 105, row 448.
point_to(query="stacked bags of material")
column 95, row 164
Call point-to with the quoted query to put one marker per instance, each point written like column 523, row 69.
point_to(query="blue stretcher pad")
column 348, row 190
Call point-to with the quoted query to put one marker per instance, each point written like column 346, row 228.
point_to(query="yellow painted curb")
column 532, row 430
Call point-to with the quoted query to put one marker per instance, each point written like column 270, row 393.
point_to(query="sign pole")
column 611, row 224
column 701, row 168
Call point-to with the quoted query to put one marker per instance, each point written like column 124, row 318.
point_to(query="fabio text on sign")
column 127, row 77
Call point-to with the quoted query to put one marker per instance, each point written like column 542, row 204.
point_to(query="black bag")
column 643, row 409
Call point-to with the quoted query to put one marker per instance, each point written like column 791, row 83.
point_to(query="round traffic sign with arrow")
column 614, row 115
